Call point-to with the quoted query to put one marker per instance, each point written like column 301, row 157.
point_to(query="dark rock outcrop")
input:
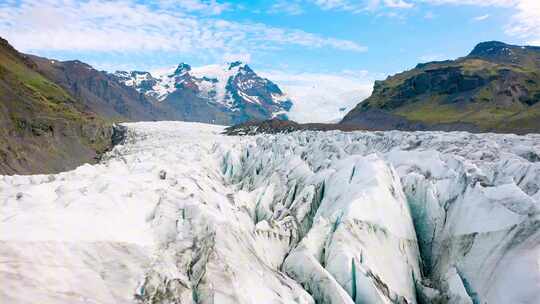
column 119, row 134
column 276, row 126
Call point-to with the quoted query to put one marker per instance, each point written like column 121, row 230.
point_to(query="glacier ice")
column 182, row 214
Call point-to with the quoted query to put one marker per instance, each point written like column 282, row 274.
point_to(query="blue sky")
column 385, row 38
column 298, row 42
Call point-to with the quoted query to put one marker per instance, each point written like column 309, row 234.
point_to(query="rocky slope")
column 182, row 214
column 495, row 88
column 42, row 127
column 220, row 94
column 97, row 90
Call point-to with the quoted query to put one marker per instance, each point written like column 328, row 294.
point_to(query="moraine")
column 180, row 213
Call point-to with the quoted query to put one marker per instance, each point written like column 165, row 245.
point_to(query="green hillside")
column 42, row 128
column 495, row 88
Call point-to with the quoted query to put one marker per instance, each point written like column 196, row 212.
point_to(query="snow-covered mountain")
column 182, row 214
column 229, row 93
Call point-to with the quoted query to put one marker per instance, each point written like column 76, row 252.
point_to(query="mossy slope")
column 43, row 129
column 496, row 88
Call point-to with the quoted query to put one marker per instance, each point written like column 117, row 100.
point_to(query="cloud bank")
column 322, row 97
column 182, row 26
column 524, row 23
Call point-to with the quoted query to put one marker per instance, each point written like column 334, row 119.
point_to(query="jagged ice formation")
column 182, row 214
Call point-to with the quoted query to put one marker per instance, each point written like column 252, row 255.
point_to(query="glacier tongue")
column 182, row 214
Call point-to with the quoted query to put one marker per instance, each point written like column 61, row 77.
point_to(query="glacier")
column 180, row 213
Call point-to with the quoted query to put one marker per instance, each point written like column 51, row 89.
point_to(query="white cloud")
column 230, row 57
column 398, row 4
column 211, row 7
column 472, row 2
column 525, row 22
column 287, row 7
column 481, row 18
column 362, row 5
column 322, row 97
column 128, row 26
column 333, row 4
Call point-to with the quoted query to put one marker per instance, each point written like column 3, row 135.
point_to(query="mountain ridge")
column 496, row 88
column 99, row 92
column 224, row 94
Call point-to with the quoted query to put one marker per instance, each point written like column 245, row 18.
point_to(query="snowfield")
column 182, row 214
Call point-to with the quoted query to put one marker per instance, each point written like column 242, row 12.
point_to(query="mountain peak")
column 499, row 52
column 492, row 49
column 234, row 64
column 121, row 73
column 140, row 73
column 219, row 93
column 182, row 68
